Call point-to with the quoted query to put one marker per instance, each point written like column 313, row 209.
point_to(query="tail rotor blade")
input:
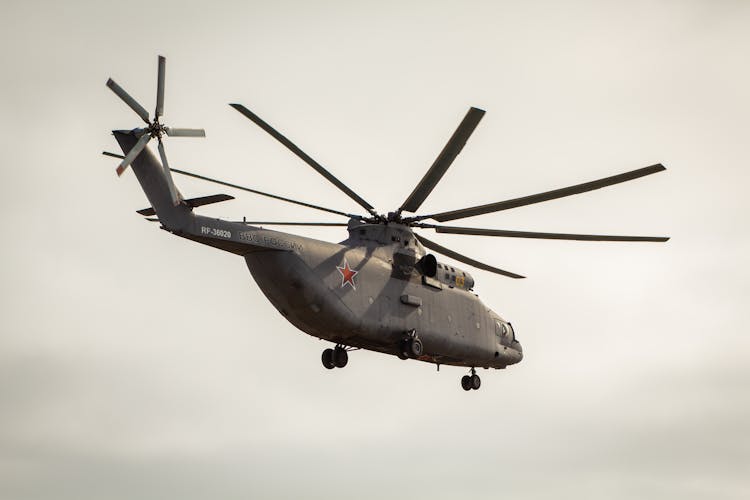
column 160, row 87
column 168, row 174
column 140, row 110
column 133, row 153
column 185, row 132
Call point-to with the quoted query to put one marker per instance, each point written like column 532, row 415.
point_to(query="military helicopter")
column 379, row 289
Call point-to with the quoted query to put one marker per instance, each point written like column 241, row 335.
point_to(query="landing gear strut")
column 335, row 358
column 469, row 382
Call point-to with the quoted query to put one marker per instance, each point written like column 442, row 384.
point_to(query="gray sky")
column 138, row 365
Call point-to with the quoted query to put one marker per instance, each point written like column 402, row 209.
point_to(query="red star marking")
column 347, row 275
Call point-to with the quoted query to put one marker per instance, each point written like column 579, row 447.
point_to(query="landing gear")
column 411, row 347
column 417, row 349
column 469, row 382
column 327, row 359
column 335, row 358
column 340, row 357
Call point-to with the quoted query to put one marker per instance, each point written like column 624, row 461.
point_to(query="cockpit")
column 505, row 333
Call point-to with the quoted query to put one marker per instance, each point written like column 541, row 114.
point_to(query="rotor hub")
column 156, row 129
column 393, row 217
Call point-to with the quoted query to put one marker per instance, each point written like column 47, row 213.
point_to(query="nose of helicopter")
column 517, row 351
column 516, row 345
column 508, row 355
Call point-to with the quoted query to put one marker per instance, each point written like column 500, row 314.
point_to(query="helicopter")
column 381, row 288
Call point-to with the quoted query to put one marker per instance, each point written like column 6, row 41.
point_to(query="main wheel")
column 327, row 359
column 476, row 382
column 340, row 357
column 466, row 382
column 417, row 349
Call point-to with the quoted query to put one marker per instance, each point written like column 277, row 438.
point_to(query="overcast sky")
column 134, row 364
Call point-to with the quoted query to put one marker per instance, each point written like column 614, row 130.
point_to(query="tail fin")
column 150, row 175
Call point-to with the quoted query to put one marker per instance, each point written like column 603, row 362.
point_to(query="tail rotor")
column 154, row 130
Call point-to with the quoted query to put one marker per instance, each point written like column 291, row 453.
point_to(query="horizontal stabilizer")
column 193, row 202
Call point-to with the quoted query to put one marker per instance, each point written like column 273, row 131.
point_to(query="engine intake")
column 427, row 265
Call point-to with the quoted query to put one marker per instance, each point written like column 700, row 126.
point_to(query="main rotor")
column 155, row 129
column 427, row 184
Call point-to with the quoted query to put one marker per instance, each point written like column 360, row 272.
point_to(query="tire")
column 476, row 382
column 466, row 382
column 340, row 357
column 327, row 359
column 416, row 347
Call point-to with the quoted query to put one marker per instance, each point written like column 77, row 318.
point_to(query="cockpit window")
column 500, row 329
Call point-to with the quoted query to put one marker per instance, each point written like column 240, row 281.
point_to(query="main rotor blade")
column 266, row 223
column 113, row 155
column 168, row 174
column 304, row 156
column 128, row 100
column 541, row 236
column 546, row 196
column 160, row 87
column 261, row 193
column 133, row 153
column 185, row 132
column 443, row 161
column 462, row 258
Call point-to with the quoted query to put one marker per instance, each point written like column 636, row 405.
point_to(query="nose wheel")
column 469, row 382
column 335, row 358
